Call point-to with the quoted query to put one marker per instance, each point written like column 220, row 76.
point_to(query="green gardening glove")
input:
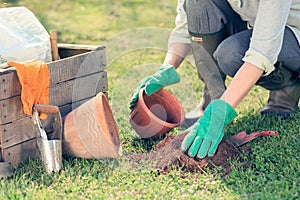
column 166, row 75
column 207, row 133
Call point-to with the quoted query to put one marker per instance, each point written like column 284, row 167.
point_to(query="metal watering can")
column 50, row 149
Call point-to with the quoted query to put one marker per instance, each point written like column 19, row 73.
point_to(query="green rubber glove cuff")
column 221, row 110
column 166, row 75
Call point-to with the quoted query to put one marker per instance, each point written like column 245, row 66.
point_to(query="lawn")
column 135, row 34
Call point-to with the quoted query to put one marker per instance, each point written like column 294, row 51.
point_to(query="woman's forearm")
column 241, row 84
column 173, row 59
column 177, row 53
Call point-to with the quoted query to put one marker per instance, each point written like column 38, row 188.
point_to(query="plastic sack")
column 22, row 36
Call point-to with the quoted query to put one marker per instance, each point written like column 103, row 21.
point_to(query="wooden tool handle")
column 45, row 108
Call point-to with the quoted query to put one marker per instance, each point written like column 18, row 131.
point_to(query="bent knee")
column 229, row 57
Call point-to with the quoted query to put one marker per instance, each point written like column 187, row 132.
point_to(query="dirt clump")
column 167, row 153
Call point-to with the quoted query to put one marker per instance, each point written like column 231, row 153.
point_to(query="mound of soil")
column 168, row 154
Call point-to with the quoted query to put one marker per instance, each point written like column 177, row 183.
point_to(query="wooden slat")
column 61, row 70
column 10, row 85
column 60, row 94
column 16, row 132
column 77, row 66
column 65, row 109
column 78, row 89
column 20, row 152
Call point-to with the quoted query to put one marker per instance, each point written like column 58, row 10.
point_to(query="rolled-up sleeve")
column 267, row 36
column 180, row 33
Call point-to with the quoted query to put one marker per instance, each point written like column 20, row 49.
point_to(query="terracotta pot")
column 90, row 131
column 156, row 114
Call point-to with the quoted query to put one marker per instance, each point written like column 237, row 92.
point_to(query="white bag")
column 22, row 36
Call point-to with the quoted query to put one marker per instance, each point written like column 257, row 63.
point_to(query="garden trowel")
column 50, row 149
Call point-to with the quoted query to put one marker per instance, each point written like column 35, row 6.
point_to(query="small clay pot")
column 90, row 131
column 156, row 114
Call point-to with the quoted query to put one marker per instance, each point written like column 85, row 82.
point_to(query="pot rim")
column 154, row 117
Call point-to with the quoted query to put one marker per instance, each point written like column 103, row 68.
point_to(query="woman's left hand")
column 206, row 134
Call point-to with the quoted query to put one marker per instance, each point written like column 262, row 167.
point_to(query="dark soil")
column 168, row 154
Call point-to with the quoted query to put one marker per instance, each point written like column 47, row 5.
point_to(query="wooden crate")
column 78, row 76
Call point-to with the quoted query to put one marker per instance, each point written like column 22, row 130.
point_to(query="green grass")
column 135, row 34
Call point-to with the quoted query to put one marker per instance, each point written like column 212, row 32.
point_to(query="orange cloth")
column 34, row 78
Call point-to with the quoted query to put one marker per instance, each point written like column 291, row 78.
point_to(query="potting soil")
column 167, row 154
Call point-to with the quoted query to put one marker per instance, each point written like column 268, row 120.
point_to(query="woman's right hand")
column 166, row 75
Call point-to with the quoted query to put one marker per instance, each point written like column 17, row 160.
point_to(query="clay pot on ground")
column 156, row 114
column 90, row 131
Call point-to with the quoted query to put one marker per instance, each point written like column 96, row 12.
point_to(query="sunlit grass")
column 274, row 172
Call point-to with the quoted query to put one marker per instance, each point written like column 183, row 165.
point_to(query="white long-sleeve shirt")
column 268, row 18
column 180, row 33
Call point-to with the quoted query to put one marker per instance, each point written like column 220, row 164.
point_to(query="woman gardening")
column 257, row 42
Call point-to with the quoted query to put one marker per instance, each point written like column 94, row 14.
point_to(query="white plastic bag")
column 22, row 36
